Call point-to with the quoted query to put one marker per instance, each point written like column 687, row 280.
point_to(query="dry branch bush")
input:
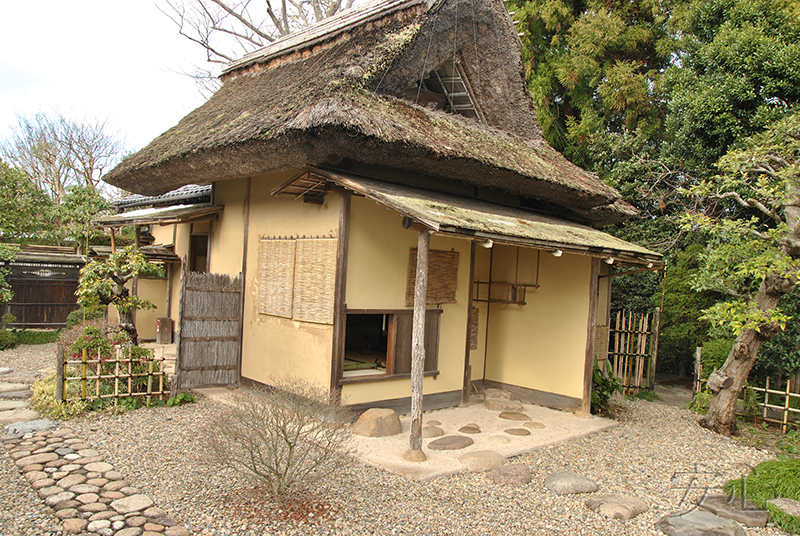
column 286, row 437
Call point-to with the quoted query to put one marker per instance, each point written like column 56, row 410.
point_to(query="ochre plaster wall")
column 228, row 231
column 540, row 345
column 154, row 290
column 274, row 346
column 377, row 269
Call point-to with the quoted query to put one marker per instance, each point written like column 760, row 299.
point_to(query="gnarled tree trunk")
column 721, row 417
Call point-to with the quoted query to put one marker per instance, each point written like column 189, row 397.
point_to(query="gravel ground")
column 658, row 453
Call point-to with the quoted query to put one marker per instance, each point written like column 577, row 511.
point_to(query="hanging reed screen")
column 276, row 276
column 315, row 280
column 442, row 277
column 297, row 278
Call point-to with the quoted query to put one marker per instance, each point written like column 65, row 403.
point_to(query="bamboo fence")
column 114, row 378
column 784, row 407
column 632, row 349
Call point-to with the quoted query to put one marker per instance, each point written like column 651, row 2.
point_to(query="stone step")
column 8, row 405
column 15, row 395
column 6, row 387
column 18, row 415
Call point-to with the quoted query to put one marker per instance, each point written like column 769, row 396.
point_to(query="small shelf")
column 516, row 293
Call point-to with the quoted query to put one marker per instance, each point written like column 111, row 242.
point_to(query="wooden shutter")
column 402, row 331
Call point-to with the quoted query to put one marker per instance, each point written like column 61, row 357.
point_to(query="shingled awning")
column 161, row 215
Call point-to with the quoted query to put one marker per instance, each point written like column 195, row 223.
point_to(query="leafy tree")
column 75, row 213
column 103, row 282
column 22, row 206
column 7, row 255
column 752, row 212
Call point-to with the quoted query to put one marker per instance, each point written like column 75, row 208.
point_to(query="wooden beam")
column 467, row 368
column 418, row 345
column 339, row 305
column 588, row 366
column 243, row 274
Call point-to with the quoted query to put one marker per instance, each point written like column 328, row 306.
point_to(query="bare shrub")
column 285, row 437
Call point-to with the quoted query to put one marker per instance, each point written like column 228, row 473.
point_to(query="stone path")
column 15, row 392
column 85, row 492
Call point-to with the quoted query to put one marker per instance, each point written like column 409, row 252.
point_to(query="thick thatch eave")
column 340, row 99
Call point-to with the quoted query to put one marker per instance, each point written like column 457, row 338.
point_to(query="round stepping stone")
column 481, row 461
column 44, row 483
column 51, row 490
column 451, row 442
column 136, row 521
column 53, row 500
column 18, row 455
column 517, row 431
column 97, row 526
column 698, row 523
column 63, row 451
column 134, row 503
column 88, row 453
column 75, row 526
column 67, row 513
column 153, row 512
column 502, row 405
column 57, row 463
column 153, row 527
column 429, row 431
column 87, row 498
column 70, row 467
column 99, row 482
column 568, row 482
column 93, row 507
column 115, row 486
column 514, row 416
column 744, row 512
column 533, row 425
column 511, row 474
column 113, row 475
column 470, row 429
column 617, row 506
column 98, row 467
column 33, row 476
column 433, row 423
column 37, row 458
column 108, row 514
column 72, row 457
column 84, row 488
column 71, row 480
column 130, row 531
column 499, row 439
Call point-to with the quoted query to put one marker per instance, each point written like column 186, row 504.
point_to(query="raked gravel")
column 658, row 453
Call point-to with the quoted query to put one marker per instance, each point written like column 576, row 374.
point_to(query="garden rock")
column 502, row 405
column 511, row 474
column 18, row 415
column 481, row 461
column 134, row 503
column 75, row 526
column 430, row 431
column 568, row 482
column 698, row 523
column 517, row 431
column 787, row 506
column 744, row 512
column 471, row 428
column 378, row 422
column 451, row 442
column 533, row 425
column 18, row 429
column 617, row 506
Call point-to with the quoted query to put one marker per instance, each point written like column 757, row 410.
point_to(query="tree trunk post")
column 418, row 347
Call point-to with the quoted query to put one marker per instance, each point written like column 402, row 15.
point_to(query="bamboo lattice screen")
column 442, row 276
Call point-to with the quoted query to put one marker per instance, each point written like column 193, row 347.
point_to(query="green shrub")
column 79, row 315
column 603, row 388
column 44, row 399
column 714, row 354
column 770, row 480
column 702, row 399
column 7, row 339
column 645, row 394
column 36, row 337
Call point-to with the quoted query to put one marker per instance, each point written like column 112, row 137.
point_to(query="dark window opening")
column 379, row 344
column 198, row 252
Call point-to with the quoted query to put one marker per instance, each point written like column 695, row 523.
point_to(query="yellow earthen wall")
column 377, row 270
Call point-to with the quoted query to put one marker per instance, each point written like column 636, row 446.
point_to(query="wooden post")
column 698, row 368
column 113, row 242
column 418, row 346
column 785, row 420
column 60, row 373
column 176, row 378
column 654, row 348
column 465, row 389
column 83, row 374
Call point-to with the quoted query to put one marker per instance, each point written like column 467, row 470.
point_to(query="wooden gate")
column 633, row 347
column 209, row 331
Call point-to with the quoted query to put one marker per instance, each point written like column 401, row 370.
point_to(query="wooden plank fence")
column 633, row 347
column 117, row 377
column 209, row 331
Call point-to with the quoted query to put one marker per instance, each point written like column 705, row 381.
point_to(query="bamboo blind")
column 276, row 261
column 315, row 280
column 442, row 277
column 474, row 323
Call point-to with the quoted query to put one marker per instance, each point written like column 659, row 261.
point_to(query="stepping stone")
column 499, row 439
column 134, row 503
column 568, row 482
column 617, row 506
column 18, row 429
column 18, row 415
column 377, row 422
column 75, row 526
column 517, row 432
column 37, row 458
column 451, row 442
column 434, row 423
column 471, row 428
column 24, row 394
column 744, row 512
column 533, row 425
column 511, row 474
column 99, row 467
column 71, row 480
column 491, row 392
column 430, row 431
column 787, row 506
column 11, row 387
column 698, row 523
column 5, row 370
column 6, row 405
column 53, row 500
column 481, row 461
column 514, row 416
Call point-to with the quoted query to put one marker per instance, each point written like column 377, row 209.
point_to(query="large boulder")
column 378, row 422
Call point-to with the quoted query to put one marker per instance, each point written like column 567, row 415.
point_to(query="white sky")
column 118, row 60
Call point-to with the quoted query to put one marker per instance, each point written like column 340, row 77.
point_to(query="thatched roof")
column 336, row 95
